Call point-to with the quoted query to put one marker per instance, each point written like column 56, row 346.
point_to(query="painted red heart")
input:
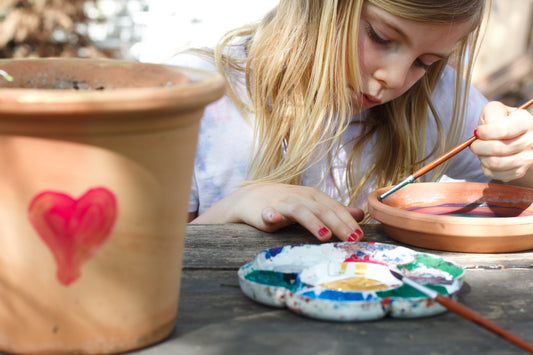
column 73, row 229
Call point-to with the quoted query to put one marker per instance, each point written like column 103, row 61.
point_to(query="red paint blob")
column 365, row 259
column 73, row 229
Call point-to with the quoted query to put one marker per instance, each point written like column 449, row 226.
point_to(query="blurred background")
column 153, row 30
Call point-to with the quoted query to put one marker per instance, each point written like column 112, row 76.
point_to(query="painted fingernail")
column 475, row 132
column 359, row 232
column 323, row 231
column 352, row 238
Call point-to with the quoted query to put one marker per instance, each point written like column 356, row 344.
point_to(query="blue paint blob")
column 272, row 252
column 340, row 296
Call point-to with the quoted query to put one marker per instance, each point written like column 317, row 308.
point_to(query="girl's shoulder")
column 446, row 89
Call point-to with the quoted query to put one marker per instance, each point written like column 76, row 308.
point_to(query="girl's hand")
column 271, row 206
column 505, row 143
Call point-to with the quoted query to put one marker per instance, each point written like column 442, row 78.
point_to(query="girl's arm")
column 505, row 144
column 271, row 206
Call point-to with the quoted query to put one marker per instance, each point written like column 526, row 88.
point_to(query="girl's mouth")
column 368, row 100
column 365, row 100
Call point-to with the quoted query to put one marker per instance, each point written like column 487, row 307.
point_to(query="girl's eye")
column 374, row 36
column 421, row 64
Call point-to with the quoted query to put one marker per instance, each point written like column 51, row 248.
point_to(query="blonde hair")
column 298, row 76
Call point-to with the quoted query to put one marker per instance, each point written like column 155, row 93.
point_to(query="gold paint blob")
column 360, row 268
column 357, row 283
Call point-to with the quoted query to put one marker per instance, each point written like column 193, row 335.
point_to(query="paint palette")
column 348, row 281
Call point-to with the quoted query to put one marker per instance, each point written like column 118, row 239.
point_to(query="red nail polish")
column 359, row 232
column 323, row 231
column 352, row 238
column 475, row 132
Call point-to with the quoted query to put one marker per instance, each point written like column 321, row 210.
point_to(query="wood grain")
column 229, row 246
column 215, row 317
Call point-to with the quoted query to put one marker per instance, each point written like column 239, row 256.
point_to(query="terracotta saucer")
column 457, row 216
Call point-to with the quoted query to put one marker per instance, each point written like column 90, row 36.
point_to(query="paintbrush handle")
column 464, row 311
column 525, row 105
column 443, row 157
column 478, row 319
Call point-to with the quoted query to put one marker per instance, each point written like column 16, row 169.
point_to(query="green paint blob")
column 274, row 278
column 408, row 291
column 431, row 261
column 466, row 215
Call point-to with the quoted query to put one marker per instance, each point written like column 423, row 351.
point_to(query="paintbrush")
column 5, row 75
column 464, row 312
column 437, row 161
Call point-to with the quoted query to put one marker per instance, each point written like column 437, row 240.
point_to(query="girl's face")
column 394, row 53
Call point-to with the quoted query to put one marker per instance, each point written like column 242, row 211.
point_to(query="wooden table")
column 215, row 317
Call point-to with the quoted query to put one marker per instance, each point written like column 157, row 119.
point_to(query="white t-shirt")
column 225, row 143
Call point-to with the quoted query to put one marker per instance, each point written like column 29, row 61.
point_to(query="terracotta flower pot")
column 93, row 197
column 458, row 216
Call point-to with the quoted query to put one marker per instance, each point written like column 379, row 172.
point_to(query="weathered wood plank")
column 232, row 245
column 216, row 318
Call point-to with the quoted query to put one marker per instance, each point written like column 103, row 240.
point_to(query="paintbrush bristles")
column 423, row 289
column 396, row 274
column 407, row 181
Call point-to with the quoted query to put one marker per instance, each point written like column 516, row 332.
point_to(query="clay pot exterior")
column 445, row 216
column 93, row 201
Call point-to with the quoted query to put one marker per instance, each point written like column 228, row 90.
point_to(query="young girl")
column 328, row 100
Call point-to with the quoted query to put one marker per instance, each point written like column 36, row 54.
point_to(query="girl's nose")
column 392, row 75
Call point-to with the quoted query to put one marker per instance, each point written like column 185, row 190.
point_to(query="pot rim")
column 399, row 218
column 205, row 87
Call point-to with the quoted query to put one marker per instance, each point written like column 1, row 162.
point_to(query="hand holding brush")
column 438, row 161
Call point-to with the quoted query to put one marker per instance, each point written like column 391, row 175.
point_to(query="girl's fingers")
column 301, row 214
column 356, row 213
column 341, row 219
column 494, row 111
column 341, row 223
column 273, row 217
column 500, row 148
column 324, row 220
column 501, row 122
column 270, row 207
column 505, row 144
column 506, row 168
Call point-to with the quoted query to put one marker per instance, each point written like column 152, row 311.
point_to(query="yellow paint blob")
column 360, row 268
column 357, row 283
